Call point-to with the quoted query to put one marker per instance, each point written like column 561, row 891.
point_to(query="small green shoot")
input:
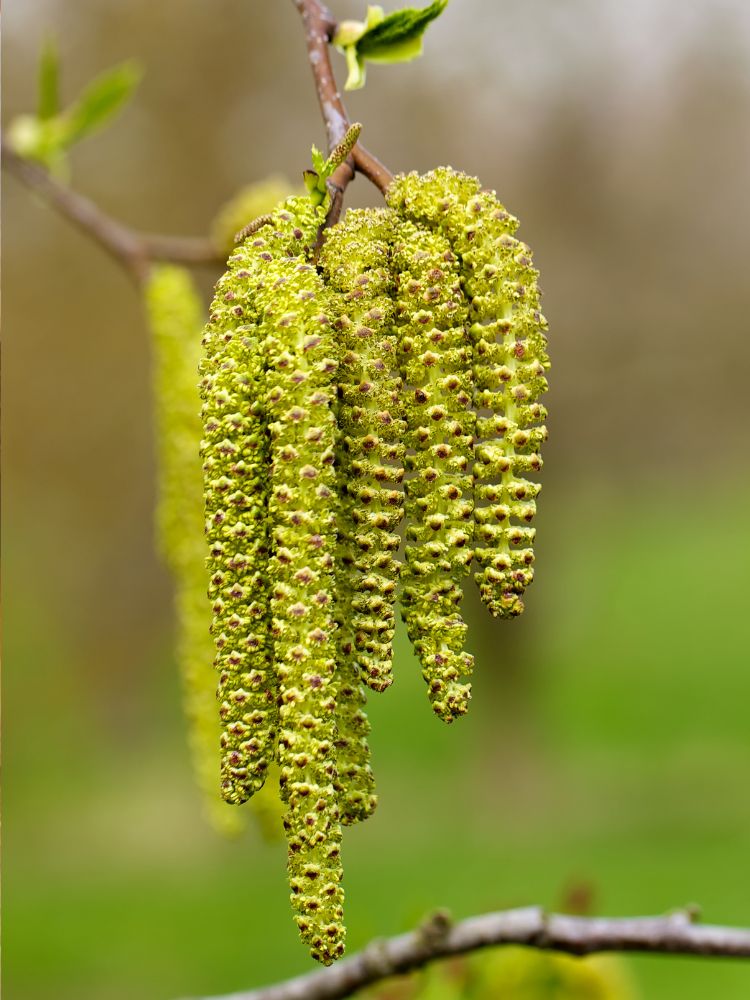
column 382, row 38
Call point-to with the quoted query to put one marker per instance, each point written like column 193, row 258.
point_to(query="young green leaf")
column 49, row 80
column 315, row 180
column 100, row 101
column 394, row 38
column 318, row 160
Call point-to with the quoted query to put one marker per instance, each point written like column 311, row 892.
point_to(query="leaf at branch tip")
column 350, row 32
column 49, row 80
column 318, row 161
column 100, row 101
column 396, row 37
column 47, row 136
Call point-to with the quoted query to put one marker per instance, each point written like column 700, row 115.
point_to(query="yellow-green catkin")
column 435, row 360
column 355, row 262
column 248, row 204
column 510, row 361
column 235, row 458
column 300, row 397
column 175, row 315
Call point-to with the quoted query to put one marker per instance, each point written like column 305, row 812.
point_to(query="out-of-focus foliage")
column 48, row 136
column 512, row 973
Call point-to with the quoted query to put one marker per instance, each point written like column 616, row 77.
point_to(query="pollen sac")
column 175, row 315
column 299, row 397
column 435, row 358
column 510, row 362
column 356, row 263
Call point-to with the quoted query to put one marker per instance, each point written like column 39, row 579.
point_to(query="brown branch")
column 129, row 247
column 136, row 250
column 320, row 27
column 673, row 934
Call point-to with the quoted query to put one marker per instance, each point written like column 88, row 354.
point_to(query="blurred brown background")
column 608, row 740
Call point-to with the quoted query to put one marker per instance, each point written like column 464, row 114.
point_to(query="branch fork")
column 137, row 250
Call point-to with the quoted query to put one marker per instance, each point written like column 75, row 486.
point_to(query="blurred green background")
column 608, row 746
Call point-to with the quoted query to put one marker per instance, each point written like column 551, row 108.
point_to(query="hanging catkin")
column 510, row 359
column 435, row 360
column 387, row 367
column 235, row 459
column 355, row 262
column 300, row 393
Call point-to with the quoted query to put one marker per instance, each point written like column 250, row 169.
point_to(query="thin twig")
column 129, row 247
column 136, row 250
column 320, row 27
column 673, row 934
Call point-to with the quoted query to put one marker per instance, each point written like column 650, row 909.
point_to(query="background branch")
column 128, row 246
column 673, row 934
column 135, row 250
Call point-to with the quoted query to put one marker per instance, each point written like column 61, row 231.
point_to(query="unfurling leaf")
column 315, row 180
column 47, row 136
column 49, row 81
column 396, row 37
column 100, row 101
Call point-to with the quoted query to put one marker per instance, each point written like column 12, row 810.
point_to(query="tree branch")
column 129, row 247
column 673, row 934
column 320, row 27
column 136, row 250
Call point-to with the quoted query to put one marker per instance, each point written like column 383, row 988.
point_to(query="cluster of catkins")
column 391, row 373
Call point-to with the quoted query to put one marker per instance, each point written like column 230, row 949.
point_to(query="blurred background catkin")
column 608, row 743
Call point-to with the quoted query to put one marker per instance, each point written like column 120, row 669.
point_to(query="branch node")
column 376, row 962
column 435, row 927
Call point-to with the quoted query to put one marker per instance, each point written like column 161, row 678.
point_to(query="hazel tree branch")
column 673, row 934
column 136, row 250
column 320, row 27
column 133, row 249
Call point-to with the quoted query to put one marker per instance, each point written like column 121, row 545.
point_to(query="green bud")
column 435, row 361
column 510, row 361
